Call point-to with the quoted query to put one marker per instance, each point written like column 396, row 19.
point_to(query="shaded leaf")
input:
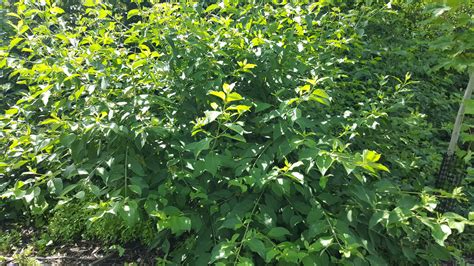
column 199, row 146
column 256, row 245
column 278, row 232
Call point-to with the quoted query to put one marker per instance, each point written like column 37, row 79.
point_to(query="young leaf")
column 132, row 13
column 228, row 87
column 219, row 94
column 233, row 96
column 239, row 108
column 90, row 3
column 56, row 10
column 211, row 8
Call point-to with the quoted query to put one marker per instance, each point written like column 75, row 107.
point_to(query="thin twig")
column 102, row 259
column 247, row 227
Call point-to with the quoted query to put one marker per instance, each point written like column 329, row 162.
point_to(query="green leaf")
column 320, row 96
column 211, row 8
column 278, row 232
column 212, row 164
column 455, row 221
column 234, row 137
column 257, row 246
column 211, row 116
column 239, row 108
column 323, row 162
column 295, row 114
column 129, row 213
column 321, row 243
column 199, row 146
column 320, row 93
column 79, row 92
column 440, row 233
column 349, row 166
column 249, row 66
column 314, row 215
column 243, row 261
column 103, row 13
column 55, row 185
column 228, row 87
column 370, row 156
column 11, row 111
column 469, row 105
column 379, row 166
column 234, row 96
column 222, row 251
column 56, row 10
column 219, row 94
column 376, row 218
column 50, row 121
column 135, row 189
column 136, row 166
column 237, row 128
column 232, row 223
column 68, row 189
column 80, row 195
column 120, row 250
column 292, row 100
column 179, row 224
column 271, row 254
column 132, row 13
column 304, row 88
column 14, row 42
column 261, row 106
column 323, row 181
column 296, row 176
column 369, row 161
column 90, row 3
column 67, row 140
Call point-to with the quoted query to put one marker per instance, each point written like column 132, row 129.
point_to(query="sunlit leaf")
column 233, row 96
column 219, row 94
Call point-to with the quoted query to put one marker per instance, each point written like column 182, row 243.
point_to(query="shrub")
column 246, row 133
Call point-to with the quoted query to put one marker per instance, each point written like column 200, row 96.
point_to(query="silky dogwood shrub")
column 217, row 133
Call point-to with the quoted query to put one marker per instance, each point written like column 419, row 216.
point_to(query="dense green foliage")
column 232, row 133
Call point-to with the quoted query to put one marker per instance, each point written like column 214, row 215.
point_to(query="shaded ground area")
column 80, row 254
column 22, row 247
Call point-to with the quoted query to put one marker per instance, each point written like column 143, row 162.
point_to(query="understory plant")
column 243, row 132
